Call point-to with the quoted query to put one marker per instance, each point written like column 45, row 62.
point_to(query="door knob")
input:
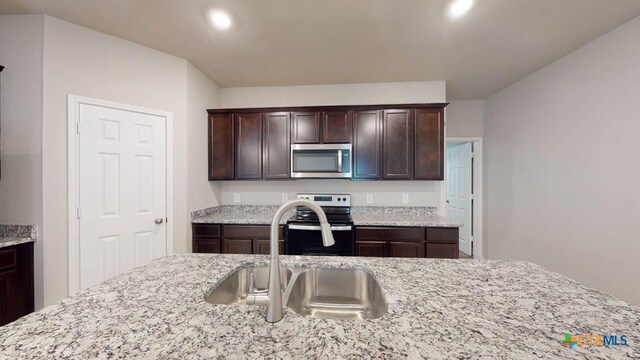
column 158, row 221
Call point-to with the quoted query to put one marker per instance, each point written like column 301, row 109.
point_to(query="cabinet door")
column 9, row 307
column 211, row 246
column 371, row 248
column 248, row 146
column 306, row 128
column 221, row 147
column 406, row 249
column 429, row 144
column 397, row 144
column 261, row 246
column 366, row 145
column 442, row 251
column 237, row 246
column 277, row 132
column 336, row 127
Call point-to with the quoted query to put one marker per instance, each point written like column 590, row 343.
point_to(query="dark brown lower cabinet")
column 371, row 248
column 211, row 246
column 237, row 246
column 442, row 251
column 442, row 243
column 16, row 282
column 233, row 239
column 371, row 241
column 406, row 249
column 263, row 246
column 412, row 242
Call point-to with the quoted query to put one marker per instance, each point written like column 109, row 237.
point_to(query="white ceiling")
column 302, row 42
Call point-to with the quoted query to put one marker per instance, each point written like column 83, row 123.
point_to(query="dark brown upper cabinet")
column 389, row 142
column 397, row 144
column 321, row 127
column 248, row 127
column 306, row 128
column 429, row 144
column 221, row 147
column 366, row 144
column 336, row 127
column 277, row 159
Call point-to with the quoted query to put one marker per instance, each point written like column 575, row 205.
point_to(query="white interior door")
column 459, row 190
column 122, row 191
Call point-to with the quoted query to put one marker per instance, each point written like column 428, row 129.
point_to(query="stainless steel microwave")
column 321, row 161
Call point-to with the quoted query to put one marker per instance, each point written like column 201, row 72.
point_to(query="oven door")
column 321, row 161
column 306, row 239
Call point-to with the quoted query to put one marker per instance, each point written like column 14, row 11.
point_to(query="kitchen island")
column 436, row 309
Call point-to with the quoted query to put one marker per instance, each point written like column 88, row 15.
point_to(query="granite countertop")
column 238, row 214
column 362, row 216
column 17, row 234
column 489, row 309
column 399, row 216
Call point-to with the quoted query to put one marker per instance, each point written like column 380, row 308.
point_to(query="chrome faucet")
column 273, row 299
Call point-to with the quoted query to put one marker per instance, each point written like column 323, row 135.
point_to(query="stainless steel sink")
column 235, row 288
column 336, row 294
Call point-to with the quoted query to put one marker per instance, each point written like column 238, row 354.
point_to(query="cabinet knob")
column 159, row 221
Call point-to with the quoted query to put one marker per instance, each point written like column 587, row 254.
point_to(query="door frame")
column 478, row 199
column 73, row 150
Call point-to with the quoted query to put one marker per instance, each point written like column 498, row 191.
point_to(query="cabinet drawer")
column 206, row 231
column 442, row 235
column 389, row 233
column 8, row 258
column 249, row 231
column 207, row 246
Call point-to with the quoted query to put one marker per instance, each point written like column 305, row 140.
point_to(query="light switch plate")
column 236, row 197
column 285, row 197
column 369, row 198
column 405, row 198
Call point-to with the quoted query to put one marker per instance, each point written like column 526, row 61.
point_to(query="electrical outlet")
column 405, row 198
column 236, row 197
column 369, row 198
column 285, row 197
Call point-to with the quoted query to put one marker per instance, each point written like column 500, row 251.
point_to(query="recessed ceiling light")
column 220, row 19
column 457, row 8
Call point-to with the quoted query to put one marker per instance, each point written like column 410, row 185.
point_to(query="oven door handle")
column 317, row 227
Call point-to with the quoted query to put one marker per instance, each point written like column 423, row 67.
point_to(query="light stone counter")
column 17, row 234
column 362, row 216
column 464, row 309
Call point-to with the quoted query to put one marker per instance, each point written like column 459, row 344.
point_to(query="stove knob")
column 344, row 199
column 339, row 199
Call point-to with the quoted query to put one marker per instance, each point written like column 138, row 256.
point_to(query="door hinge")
column 473, row 197
column 78, row 127
column 472, row 155
column 78, row 211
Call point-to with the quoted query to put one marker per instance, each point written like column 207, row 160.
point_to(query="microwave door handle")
column 339, row 161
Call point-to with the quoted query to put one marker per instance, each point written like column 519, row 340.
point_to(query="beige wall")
column 563, row 168
column 465, row 118
column 84, row 62
column 202, row 94
column 421, row 193
column 21, row 39
column 339, row 94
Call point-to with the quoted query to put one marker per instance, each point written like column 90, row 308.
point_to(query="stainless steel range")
column 303, row 233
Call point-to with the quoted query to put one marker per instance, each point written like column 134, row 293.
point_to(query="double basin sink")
column 317, row 292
